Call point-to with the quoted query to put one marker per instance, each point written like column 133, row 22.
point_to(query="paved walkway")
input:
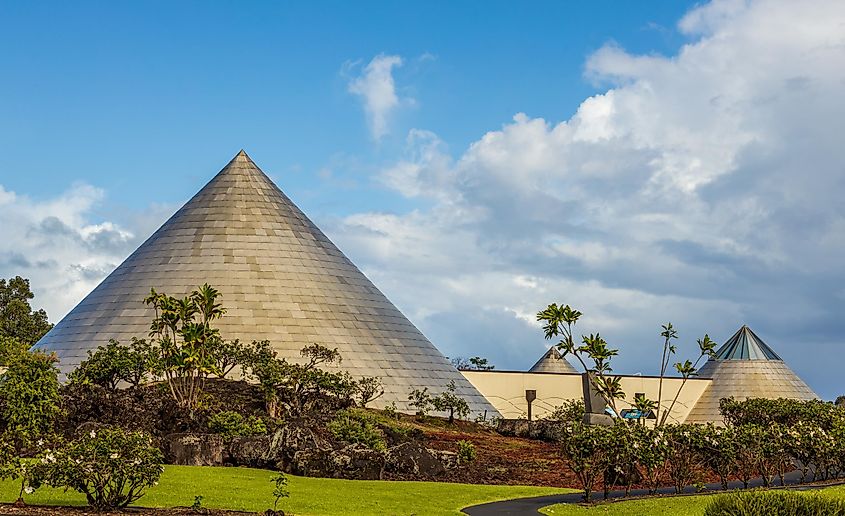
column 525, row 506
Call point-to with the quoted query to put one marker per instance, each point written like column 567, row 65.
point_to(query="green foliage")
column 280, row 488
column 10, row 346
column 783, row 411
column 570, row 411
column 110, row 466
column 586, row 451
column 113, row 363
column 652, row 451
column 472, row 364
column 686, row 453
column 29, row 389
column 182, row 331
column 450, row 402
column 466, row 451
column 197, row 505
column 368, row 388
column 357, row 427
column 558, row 322
column 299, row 388
column 421, row 400
column 232, row 424
column 774, row 503
column 17, row 318
column 227, row 354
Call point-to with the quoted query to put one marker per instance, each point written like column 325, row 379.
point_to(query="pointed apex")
column 552, row 361
column 242, row 156
column 746, row 345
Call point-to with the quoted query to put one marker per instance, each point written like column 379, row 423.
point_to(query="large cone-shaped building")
column 745, row 367
column 281, row 280
column 552, row 361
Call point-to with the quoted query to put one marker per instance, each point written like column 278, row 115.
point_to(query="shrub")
column 113, row 363
column 586, row 452
column 771, row 503
column 448, row 401
column 357, row 427
column 369, row 388
column 421, row 400
column 110, row 466
column 232, row 424
column 686, row 453
column 466, row 451
column 30, row 392
column 299, row 388
column 569, row 411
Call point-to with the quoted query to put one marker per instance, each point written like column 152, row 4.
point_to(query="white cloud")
column 58, row 245
column 703, row 188
column 377, row 89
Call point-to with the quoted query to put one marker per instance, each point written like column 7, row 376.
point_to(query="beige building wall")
column 506, row 391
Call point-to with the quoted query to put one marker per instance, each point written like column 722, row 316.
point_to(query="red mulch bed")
column 41, row 510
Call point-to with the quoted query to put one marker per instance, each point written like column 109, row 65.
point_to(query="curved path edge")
column 532, row 505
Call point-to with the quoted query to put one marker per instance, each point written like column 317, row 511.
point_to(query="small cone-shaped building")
column 552, row 361
column 281, row 279
column 745, row 367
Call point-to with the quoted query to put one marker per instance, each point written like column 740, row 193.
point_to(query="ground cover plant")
column 246, row 489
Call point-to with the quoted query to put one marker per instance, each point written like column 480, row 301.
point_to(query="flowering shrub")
column 110, row 466
column 586, row 451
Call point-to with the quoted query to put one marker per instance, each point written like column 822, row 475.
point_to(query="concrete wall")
column 506, row 391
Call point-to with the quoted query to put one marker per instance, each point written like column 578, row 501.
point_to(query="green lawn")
column 251, row 490
column 668, row 506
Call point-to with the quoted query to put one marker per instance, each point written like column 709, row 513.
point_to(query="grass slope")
column 668, row 506
column 250, row 490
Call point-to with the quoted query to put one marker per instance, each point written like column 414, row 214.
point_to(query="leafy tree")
column 298, row 388
column 17, row 318
column 182, row 331
column 10, row 346
column 114, row 363
column 227, row 354
column 472, row 364
column 369, row 388
column 421, row 400
column 558, row 322
column 29, row 389
column 686, row 369
column 450, row 402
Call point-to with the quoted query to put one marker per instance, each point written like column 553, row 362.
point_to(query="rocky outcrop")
column 412, row 458
column 193, row 449
column 353, row 462
column 542, row 430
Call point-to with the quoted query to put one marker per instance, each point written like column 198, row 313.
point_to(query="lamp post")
column 530, row 396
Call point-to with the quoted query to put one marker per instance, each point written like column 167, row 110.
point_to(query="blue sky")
column 115, row 90
column 643, row 161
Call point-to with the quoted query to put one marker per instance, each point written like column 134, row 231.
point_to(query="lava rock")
column 193, row 449
column 354, row 462
column 412, row 458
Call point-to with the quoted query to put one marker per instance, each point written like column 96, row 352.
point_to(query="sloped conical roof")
column 552, row 361
column 280, row 278
column 745, row 367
